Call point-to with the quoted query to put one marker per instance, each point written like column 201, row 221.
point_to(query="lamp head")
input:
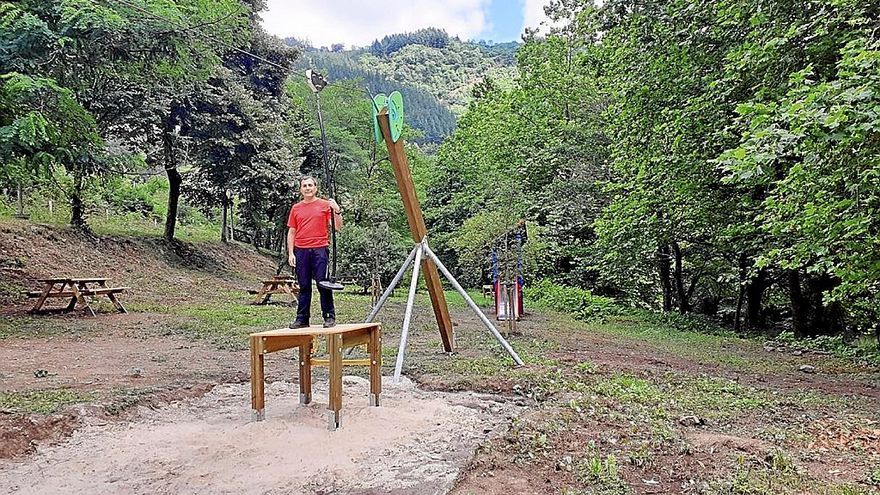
column 316, row 80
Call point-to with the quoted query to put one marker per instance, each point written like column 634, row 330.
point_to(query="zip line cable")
column 185, row 28
column 197, row 29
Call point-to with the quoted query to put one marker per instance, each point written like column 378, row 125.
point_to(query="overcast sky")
column 358, row 23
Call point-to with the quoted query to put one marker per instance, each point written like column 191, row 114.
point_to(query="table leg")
column 80, row 298
column 305, row 372
column 261, row 296
column 117, row 303
column 258, row 403
column 334, row 347
column 375, row 365
column 112, row 297
column 73, row 300
column 42, row 299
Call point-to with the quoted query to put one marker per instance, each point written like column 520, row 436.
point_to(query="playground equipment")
column 507, row 275
column 388, row 124
column 317, row 82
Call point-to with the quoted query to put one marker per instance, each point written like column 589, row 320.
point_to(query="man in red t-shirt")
column 307, row 241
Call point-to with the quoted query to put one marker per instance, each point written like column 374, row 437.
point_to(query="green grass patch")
column 135, row 224
column 865, row 349
column 38, row 326
column 581, row 304
column 42, row 401
column 776, row 474
column 454, row 299
column 602, row 473
column 227, row 322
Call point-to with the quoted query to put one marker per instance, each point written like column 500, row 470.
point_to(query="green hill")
column 435, row 73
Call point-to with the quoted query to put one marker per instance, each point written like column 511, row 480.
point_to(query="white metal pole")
column 407, row 317
column 430, row 254
column 392, row 285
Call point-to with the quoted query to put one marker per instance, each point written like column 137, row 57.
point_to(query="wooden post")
column 375, row 348
column 334, row 348
column 399, row 162
column 305, row 372
column 258, row 403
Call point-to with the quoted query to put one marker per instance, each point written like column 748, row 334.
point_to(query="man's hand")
column 334, row 206
column 291, row 260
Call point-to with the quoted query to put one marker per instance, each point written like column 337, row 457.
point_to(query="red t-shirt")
column 309, row 221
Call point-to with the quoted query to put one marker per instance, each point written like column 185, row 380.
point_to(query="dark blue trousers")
column 311, row 264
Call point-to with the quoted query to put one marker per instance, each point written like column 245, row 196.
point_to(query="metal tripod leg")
column 392, row 285
column 433, row 257
column 407, row 317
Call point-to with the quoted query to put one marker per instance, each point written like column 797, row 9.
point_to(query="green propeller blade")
column 378, row 103
column 395, row 114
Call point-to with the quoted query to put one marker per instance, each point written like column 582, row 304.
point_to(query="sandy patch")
column 416, row 442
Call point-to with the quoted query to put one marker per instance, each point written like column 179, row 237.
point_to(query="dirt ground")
column 168, row 414
column 416, row 442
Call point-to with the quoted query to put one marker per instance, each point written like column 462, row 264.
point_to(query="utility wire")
column 198, row 29
column 185, row 28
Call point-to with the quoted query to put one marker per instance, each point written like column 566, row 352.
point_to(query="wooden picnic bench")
column 79, row 290
column 338, row 338
column 279, row 284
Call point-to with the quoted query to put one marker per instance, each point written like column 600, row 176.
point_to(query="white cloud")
column 533, row 13
column 358, row 23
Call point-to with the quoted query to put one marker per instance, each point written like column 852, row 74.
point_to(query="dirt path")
column 417, row 443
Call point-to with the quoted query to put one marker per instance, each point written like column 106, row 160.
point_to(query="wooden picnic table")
column 79, row 290
column 279, row 284
column 338, row 338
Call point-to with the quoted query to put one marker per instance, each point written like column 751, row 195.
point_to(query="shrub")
column 580, row 303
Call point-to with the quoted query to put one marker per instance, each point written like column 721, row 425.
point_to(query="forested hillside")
column 435, row 73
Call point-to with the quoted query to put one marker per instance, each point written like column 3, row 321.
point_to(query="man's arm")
column 336, row 212
column 291, row 236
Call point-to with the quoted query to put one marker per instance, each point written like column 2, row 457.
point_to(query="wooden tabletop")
column 315, row 330
column 72, row 279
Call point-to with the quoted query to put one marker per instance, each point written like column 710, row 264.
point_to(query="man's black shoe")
column 298, row 324
column 329, row 322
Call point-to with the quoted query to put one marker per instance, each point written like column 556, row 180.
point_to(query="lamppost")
column 317, row 82
column 231, row 214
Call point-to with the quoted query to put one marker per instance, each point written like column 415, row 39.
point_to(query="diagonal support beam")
column 400, row 164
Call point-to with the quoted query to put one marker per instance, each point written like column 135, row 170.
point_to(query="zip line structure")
column 387, row 118
column 388, row 124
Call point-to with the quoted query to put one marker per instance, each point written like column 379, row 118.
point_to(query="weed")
column 42, row 401
column 601, row 474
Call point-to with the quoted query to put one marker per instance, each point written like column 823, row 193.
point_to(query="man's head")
column 308, row 187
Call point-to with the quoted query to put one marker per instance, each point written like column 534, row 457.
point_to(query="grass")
column 776, row 474
column 42, row 401
column 39, row 326
column 134, row 224
column 125, row 224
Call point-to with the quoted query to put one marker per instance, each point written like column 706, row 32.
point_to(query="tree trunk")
column 743, row 276
column 678, row 276
column 77, row 209
column 174, row 178
column 799, row 308
column 20, row 201
column 754, row 296
column 663, row 259
column 174, row 181
column 828, row 318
